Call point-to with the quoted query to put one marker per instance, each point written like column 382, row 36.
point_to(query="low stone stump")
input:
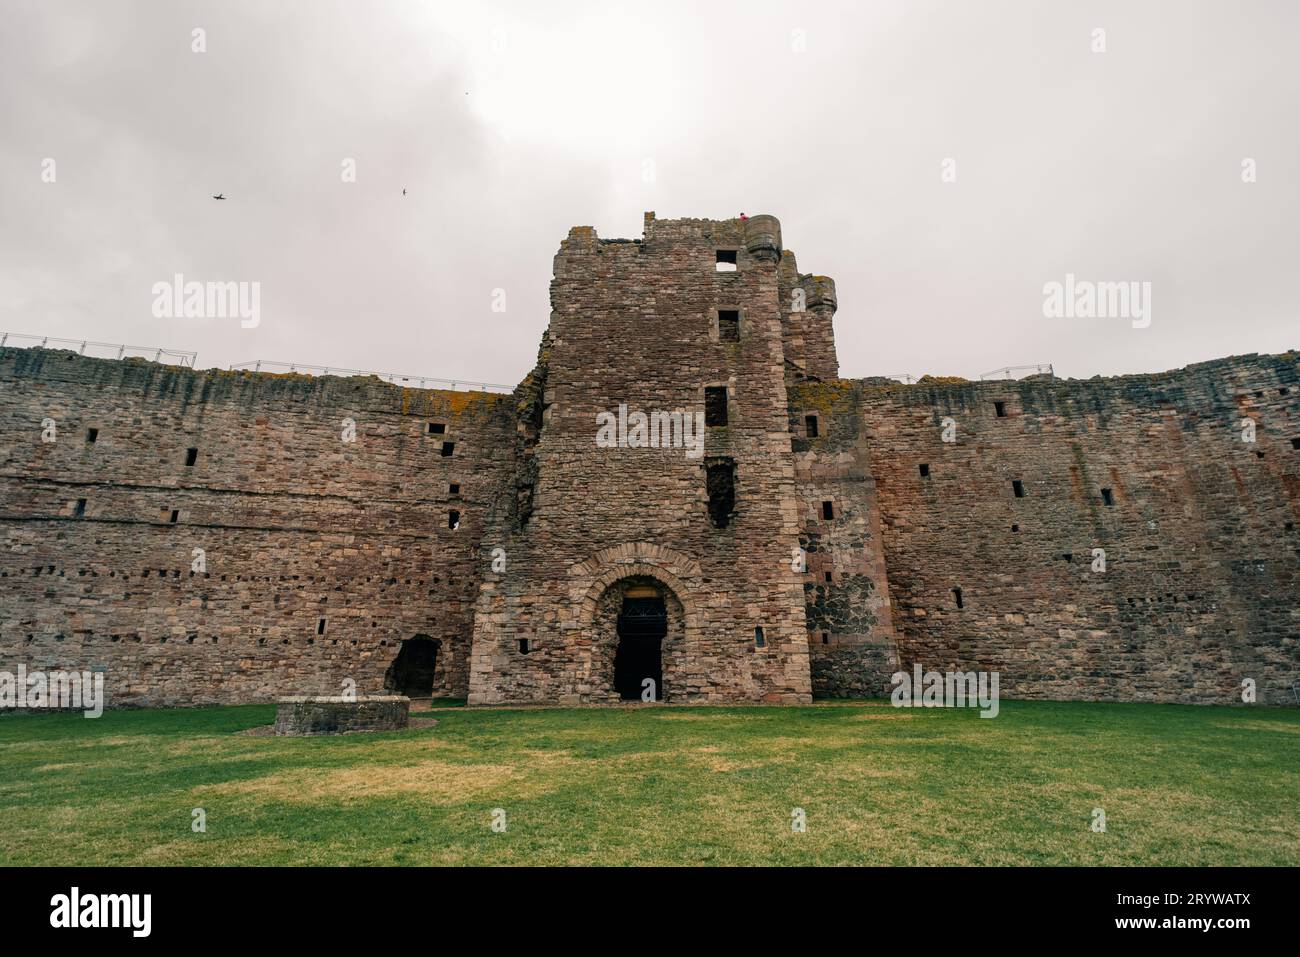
column 337, row 715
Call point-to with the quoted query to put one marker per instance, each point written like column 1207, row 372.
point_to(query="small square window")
column 453, row 488
column 191, row 456
column 92, row 435
column 828, row 510
column 830, row 576
column 1018, row 487
column 1001, row 409
column 1108, row 496
column 1295, row 443
column 925, row 470
column 447, row 449
column 524, row 647
column 1015, row 528
column 437, row 428
column 175, row 516
column 725, row 261
column 80, row 509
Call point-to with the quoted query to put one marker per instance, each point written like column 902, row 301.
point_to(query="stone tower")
column 663, row 555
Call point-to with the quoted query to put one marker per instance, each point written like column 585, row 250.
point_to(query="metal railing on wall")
column 81, row 347
column 1006, row 371
column 413, row 381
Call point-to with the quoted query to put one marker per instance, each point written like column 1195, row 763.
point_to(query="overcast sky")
column 507, row 123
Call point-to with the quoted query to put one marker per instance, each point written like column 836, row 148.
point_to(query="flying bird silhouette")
column 403, row 191
column 219, row 196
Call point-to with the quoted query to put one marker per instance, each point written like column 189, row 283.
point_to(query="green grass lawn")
column 661, row 785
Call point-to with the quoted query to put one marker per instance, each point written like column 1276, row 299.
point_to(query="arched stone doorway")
column 638, row 658
column 412, row 671
column 638, row 636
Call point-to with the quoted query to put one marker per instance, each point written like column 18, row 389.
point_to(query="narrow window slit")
column 720, row 481
column 715, row 405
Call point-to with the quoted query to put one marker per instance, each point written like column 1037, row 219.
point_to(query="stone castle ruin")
column 212, row 537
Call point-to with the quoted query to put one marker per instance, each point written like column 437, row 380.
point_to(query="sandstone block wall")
column 851, row 639
column 321, row 556
column 1202, row 583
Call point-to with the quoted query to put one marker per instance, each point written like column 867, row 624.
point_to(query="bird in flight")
column 219, row 196
column 403, row 190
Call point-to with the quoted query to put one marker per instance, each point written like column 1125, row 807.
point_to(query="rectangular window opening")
column 720, row 480
column 453, row 520
column 175, row 516
column 1108, row 496
column 810, row 426
column 80, row 509
column 729, row 325
column 447, row 449
column 191, row 456
column 1001, row 409
column 453, row 488
column 437, row 428
column 826, row 638
column 925, row 470
column 828, row 510
column 92, row 435
column 1018, row 487
column 523, row 646
column 725, row 261
column 1295, row 443
column 956, row 594
column 320, row 626
column 830, row 576
column 715, row 405
column 759, row 640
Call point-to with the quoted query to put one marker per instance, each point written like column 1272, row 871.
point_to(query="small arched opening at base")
column 413, row 670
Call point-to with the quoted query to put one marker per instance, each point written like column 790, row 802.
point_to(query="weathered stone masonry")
column 321, row 556
column 825, row 537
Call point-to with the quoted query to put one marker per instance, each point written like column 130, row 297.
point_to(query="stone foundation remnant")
column 302, row 715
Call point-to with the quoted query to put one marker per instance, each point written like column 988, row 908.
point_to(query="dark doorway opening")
column 642, row 626
column 412, row 673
